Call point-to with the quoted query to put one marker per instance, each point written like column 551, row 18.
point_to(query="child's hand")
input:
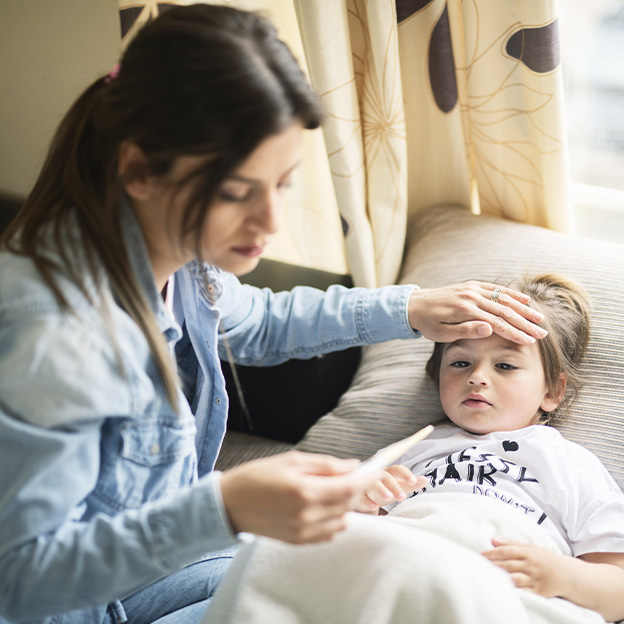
column 395, row 484
column 530, row 567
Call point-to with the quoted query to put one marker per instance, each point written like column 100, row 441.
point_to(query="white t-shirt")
column 560, row 485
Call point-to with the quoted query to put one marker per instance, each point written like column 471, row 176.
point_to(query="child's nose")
column 477, row 377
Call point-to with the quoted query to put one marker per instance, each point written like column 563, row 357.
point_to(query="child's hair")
column 566, row 308
column 199, row 79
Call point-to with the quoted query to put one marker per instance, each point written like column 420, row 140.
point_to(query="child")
column 499, row 397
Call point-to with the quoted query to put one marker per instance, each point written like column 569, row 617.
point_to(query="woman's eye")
column 229, row 196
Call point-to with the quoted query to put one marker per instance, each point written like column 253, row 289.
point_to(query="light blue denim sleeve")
column 266, row 328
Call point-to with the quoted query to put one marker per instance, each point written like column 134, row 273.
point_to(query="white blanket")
column 421, row 564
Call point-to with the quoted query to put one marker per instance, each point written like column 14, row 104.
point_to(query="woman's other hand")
column 474, row 310
column 295, row 497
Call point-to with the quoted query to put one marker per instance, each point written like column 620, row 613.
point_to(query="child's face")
column 492, row 384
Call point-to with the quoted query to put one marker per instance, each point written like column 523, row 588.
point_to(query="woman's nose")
column 268, row 212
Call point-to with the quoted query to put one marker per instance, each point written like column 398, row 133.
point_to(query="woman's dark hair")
column 198, row 80
column 566, row 308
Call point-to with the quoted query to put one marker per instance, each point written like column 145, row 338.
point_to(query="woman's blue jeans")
column 180, row 598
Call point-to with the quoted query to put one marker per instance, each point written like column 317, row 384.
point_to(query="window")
column 592, row 46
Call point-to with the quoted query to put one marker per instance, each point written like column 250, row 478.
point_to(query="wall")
column 50, row 50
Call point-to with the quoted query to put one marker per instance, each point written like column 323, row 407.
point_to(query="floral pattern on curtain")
column 461, row 103
column 483, row 103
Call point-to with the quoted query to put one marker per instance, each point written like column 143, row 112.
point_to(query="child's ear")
column 551, row 401
column 132, row 169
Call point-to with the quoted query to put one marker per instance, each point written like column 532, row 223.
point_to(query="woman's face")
column 248, row 207
column 240, row 221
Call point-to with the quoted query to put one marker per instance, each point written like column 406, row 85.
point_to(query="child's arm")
column 395, row 484
column 593, row 580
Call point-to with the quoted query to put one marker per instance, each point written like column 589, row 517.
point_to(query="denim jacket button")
column 154, row 449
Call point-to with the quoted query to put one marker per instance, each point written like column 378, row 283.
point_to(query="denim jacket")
column 104, row 488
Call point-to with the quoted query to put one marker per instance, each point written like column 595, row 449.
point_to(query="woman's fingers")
column 322, row 531
column 295, row 497
column 303, row 497
column 474, row 310
column 507, row 307
column 508, row 324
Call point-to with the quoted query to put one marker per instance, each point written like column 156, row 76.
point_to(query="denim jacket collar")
column 209, row 278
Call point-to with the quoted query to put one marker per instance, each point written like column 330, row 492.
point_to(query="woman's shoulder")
column 57, row 365
column 24, row 292
column 207, row 278
column 21, row 285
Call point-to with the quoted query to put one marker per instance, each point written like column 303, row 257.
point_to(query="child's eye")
column 460, row 364
column 506, row 367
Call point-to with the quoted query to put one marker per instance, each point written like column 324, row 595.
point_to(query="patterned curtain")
column 428, row 102
column 353, row 59
column 437, row 102
column 483, row 102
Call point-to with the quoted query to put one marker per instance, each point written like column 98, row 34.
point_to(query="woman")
column 165, row 179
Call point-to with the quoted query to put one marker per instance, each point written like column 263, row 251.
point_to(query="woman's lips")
column 249, row 252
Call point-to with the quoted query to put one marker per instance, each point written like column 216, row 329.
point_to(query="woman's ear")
column 552, row 400
column 132, row 169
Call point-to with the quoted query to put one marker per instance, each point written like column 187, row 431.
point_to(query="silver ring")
column 495, row 295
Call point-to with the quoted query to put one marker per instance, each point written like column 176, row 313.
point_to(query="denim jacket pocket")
column 155, row 442
column 144, row 460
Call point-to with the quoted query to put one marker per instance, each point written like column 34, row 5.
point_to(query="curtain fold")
column 461, row 103
column 428, row 102
column 513, row 104
column 353, row 62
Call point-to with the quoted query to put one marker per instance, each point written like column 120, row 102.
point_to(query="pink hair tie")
column 112, row 74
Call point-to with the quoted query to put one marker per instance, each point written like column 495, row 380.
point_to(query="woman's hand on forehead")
column 474, row 310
